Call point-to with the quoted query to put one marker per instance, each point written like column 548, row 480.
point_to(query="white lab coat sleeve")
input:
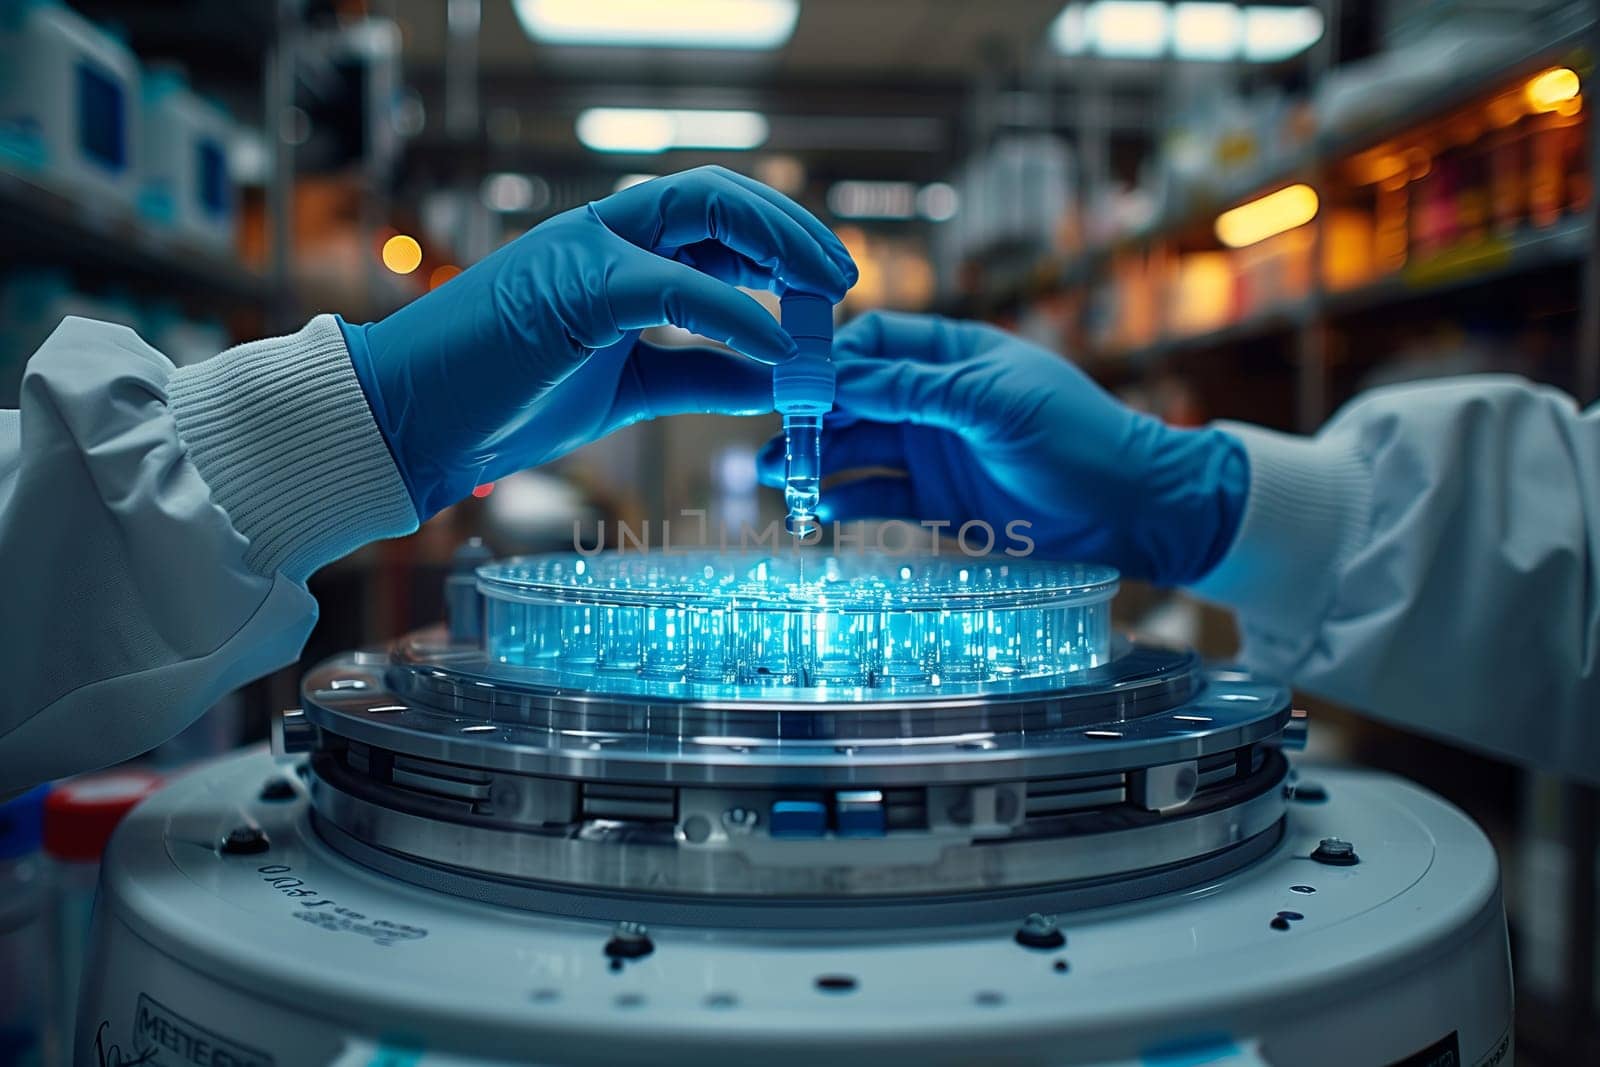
column 157, row 526
column 1430, row 557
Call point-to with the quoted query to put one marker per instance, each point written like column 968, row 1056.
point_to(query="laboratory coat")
column 1428, row 556
column 157, row 526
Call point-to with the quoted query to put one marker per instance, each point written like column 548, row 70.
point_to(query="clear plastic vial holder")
column 743, row 624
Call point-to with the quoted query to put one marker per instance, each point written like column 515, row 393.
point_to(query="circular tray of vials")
column 749, row 625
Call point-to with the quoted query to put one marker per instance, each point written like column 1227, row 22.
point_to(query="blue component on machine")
column 802, row 392
column 798, row 818
column 860, row 813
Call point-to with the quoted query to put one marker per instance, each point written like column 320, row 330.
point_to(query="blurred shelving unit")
column 43, row 226
column 1284, row 302
column 224, row 56
column 1453, row 230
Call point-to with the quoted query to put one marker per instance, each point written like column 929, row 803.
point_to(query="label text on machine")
column 162, row 1036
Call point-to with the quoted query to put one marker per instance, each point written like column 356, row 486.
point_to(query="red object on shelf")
column 81, row 813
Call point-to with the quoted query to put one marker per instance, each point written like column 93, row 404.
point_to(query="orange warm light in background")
column 1274, row 213
column 441, row 275
column 1554, row 90
column 402, row 254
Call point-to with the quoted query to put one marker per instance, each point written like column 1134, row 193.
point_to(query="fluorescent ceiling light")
column 873, row 200
column 1206, row 31
column 1212, row 30
column 650, row 130
column 1274, row 33
column 1069, row 33
column 752, row 24
column 1129, row 29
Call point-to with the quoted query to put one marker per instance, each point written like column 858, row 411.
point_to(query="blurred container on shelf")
column 1220, row 140
column 185, row 179
column 895, row 272
column 68, row 103
column 1509, row 162
column 1373, row 91
column 1134, row 300
column 1117, row 212
column 1348, row 254
column 26, row 1017
column 80, row 815
column 1020, row 190
column 1203, row 294
column 1275, row 273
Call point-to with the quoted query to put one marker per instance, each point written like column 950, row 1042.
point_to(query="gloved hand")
column 535, row 350
column 976, row 424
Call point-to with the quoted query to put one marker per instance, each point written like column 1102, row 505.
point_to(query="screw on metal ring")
column 245, row 841
column 1336, row 852
column 1040, row 931
column 629, row 941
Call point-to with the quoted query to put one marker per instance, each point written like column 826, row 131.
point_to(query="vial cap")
column 806, row 315
column 803, row 386
column 80, row 814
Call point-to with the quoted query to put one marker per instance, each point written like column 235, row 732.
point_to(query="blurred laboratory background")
column 1249, row 211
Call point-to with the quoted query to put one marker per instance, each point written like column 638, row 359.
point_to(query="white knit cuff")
column 1306, row 514
column 281, row 432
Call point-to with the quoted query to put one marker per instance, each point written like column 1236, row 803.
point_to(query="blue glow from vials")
column 743, row 625
column 802, row 480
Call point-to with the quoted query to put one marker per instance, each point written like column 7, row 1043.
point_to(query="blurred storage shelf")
column 1260, row 324
column 1474, row 263
column 45, row 226
column 1330, row 147
column 1312, row 163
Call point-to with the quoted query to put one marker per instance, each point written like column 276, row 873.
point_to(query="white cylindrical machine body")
column 297, row 955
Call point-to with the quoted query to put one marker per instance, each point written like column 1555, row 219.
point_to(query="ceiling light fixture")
column 1207, row 30
column 719, row 24
column 1069, row 33
column 651, row 130
column 1275, row 33
column 1210, row 31
column 1130, row 29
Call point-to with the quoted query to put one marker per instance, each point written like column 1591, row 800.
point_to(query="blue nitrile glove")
column 535, row 350
column 976, row 424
